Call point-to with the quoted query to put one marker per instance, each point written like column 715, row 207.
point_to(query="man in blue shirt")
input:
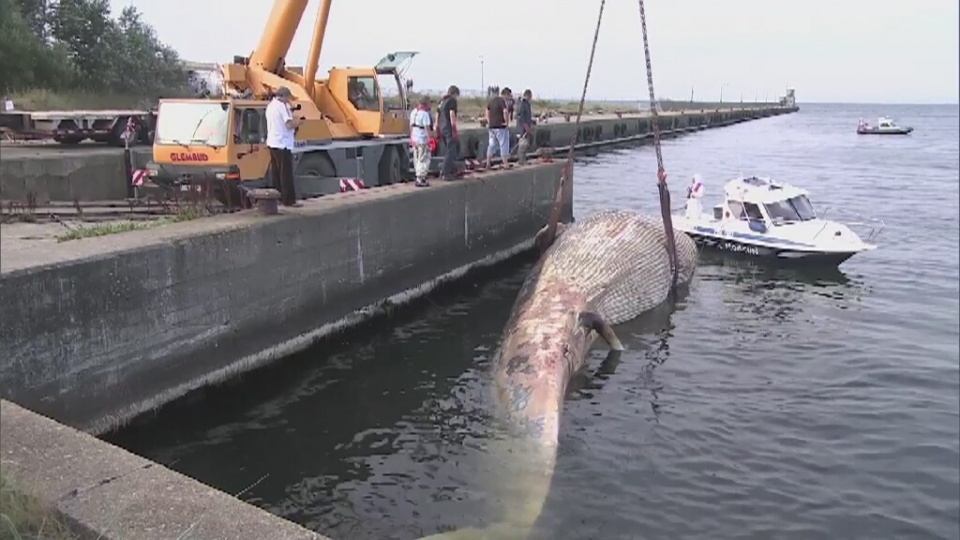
column 525, row 125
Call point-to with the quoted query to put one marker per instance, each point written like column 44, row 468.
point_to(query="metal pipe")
column 278, row 34
column 316, row 45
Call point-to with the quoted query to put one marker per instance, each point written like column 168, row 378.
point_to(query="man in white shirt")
column 281, row 126
column 421, row 126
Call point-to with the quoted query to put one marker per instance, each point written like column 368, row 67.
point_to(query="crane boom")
column 282, row 24
column 316, row 45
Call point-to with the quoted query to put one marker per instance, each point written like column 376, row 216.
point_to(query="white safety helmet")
column 696, row 179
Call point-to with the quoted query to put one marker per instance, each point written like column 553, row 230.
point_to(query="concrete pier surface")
column 101, row 329
column 88, row 172
column 102, row 491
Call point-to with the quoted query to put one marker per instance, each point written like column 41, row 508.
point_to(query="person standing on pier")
column 497, row 127
column 421, row 130
column 447, row 122
column 524, row 124
column 281, row 126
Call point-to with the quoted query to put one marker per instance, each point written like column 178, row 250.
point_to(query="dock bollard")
column 266, row 200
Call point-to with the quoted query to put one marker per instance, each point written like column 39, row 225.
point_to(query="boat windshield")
column 193, row 122
column 791, row 210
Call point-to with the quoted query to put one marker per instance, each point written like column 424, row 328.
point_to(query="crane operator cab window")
column 362, row 93
column 250, row 125
column 392, row 92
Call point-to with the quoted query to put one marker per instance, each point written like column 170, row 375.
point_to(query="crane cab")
column 375, row 99
column 198, row 141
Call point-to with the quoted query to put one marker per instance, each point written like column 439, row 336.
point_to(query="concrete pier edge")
column 108, row 328
column 101, row 491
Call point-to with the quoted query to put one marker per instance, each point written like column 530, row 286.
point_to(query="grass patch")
column 24, row 516
column 104, row 229
column 187, row 212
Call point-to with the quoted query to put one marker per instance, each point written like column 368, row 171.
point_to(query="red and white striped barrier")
column 136, row 178
column 351, row 184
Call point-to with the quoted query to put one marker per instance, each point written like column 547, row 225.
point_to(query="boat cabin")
column 763, row 203
column 886, row 123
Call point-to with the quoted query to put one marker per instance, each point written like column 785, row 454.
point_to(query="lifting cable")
column 661, row 173
column 568, row 167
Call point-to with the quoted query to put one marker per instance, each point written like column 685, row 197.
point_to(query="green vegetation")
column 103, row 229
column 72, row 53
column 23, row 516
column 185, row 212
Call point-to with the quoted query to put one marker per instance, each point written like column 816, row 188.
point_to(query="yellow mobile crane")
column 356, row 122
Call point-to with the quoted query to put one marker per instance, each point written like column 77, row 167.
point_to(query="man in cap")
column 281, row 128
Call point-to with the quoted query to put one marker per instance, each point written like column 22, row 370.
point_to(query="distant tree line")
column 76, row 45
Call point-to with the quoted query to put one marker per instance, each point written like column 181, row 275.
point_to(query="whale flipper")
column 544, row 240
column 596, row 323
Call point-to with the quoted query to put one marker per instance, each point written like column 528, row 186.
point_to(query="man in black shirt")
column 447, row 123
column 497, row 127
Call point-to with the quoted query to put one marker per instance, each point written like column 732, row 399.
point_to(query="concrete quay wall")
column 99, row 330
column 94, row 177
column 103, row 492
column 89, row 173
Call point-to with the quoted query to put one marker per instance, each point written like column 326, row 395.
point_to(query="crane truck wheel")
column 390, row 167
column 315, row 176
column 316, row 164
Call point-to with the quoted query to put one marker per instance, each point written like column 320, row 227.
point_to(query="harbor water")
column 766, row 404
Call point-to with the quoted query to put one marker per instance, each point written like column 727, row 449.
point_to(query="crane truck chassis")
column 318, row 164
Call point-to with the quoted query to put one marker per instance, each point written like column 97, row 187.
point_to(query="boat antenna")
column 661, row 173
column 551, row 231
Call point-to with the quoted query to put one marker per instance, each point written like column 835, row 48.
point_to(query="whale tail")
column 521, row 473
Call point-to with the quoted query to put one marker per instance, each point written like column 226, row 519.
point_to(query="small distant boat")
column 885, row 126
column 772, row 220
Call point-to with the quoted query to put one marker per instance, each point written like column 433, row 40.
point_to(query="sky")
column 840, row 51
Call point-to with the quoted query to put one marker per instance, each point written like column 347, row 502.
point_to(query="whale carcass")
column 599, row 272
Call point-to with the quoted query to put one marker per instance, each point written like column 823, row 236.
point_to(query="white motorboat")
column 885, row 126
column 764, row 218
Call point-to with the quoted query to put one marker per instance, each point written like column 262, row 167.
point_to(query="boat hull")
column 875, row 131
column 777, row 255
